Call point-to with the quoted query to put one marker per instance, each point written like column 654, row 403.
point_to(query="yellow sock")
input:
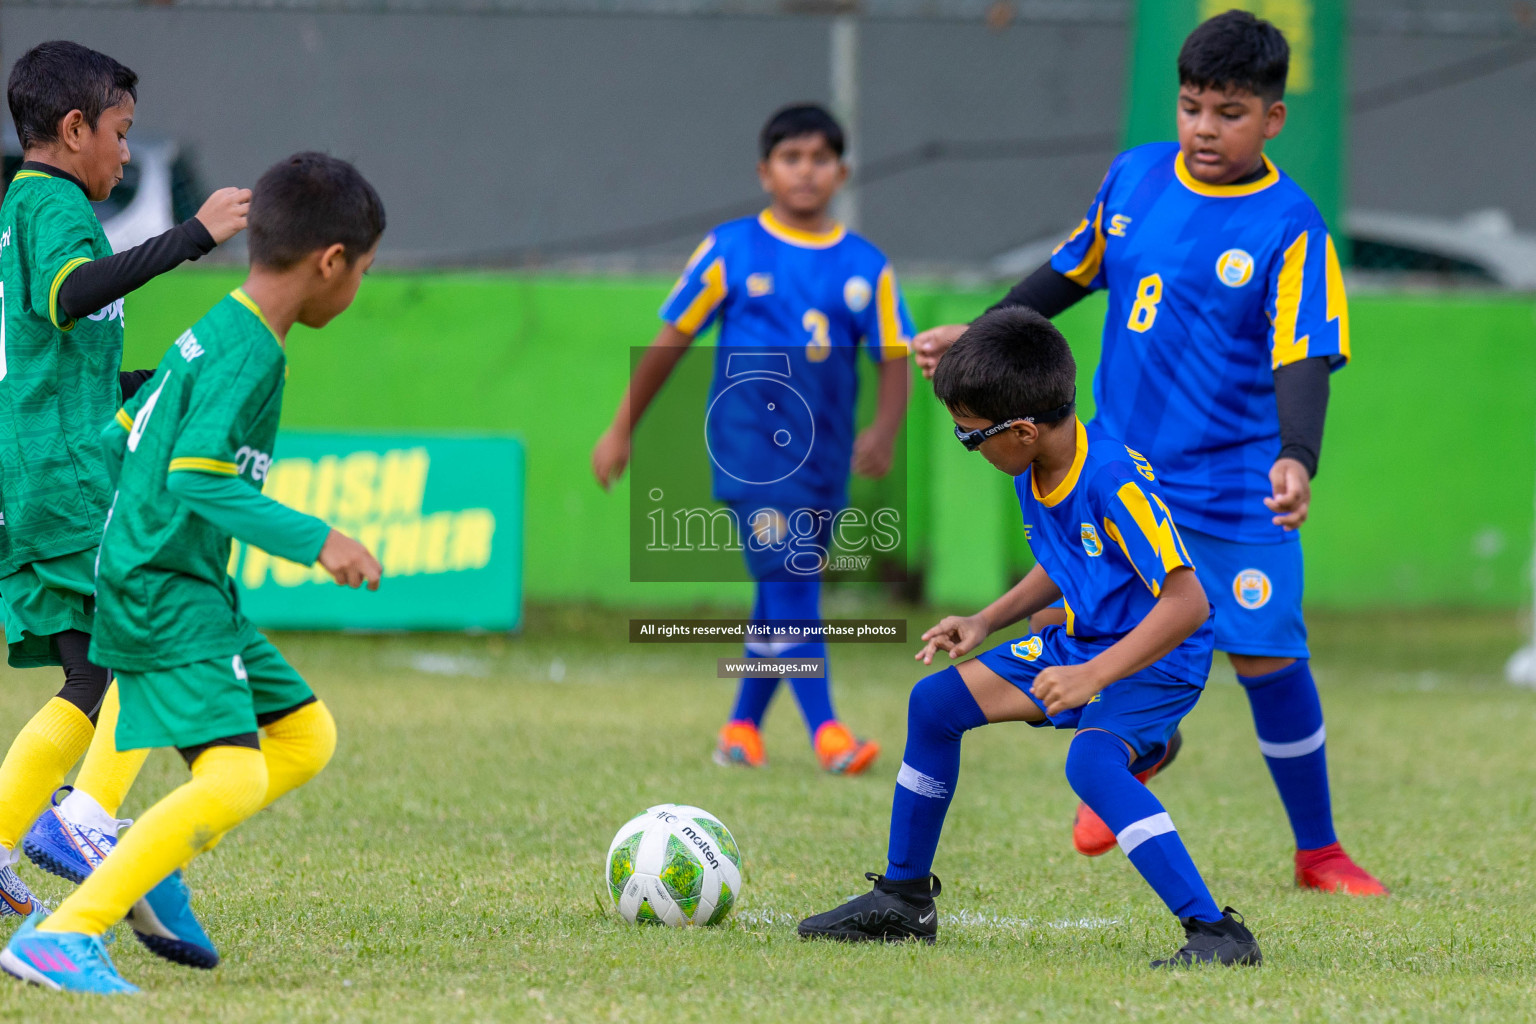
column 227, row 786
column 295, row 747
column 46, row 748
column 107, row 774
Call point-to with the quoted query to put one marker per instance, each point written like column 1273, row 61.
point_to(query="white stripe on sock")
column 922, row 785
column 1300, row 748
column 1138, row 832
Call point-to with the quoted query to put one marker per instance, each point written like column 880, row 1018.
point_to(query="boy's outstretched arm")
column 1181, row 608
column 962, row 634
column 96, row 284
column 611, row 453
column 250, row 516
column 875, row 446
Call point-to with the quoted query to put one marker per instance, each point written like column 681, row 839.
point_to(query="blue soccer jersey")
column 1107, row 540
column 794, row 309
column 1211, row 288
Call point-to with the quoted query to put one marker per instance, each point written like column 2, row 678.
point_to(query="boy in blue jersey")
column 1226, row 316
column 796, row 296
column 1125, row 668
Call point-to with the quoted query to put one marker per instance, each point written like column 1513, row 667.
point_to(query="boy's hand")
column 349, row 562
column 957, row 634
column 873, row 451
column 1066, row 686
column 223, row 214
column 610, row 456
column 1293, row 493
column 928, row 346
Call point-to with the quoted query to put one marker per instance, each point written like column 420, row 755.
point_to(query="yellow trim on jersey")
column 30, row 174
column 1080, row 456
column 1163, row 537
column 68, row 268
column 1183, row 551
column 805, row 239
column 245, row 300
column 1337, row 303
column 1288, row 348
column 705, row 302
column 1084, row 273
column 1114, row 535
column 123, row 419
column 198, row 465
column 1071, row 618
column 893, row 344
column 1195, row 185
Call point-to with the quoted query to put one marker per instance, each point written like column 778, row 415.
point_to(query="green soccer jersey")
column 164, row 596
column 58, row 377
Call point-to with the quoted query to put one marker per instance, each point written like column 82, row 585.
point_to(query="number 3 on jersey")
column 1149, row 292
column 820, row 345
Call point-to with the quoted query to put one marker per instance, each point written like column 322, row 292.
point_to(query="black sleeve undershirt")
column 1047, row 291
column 1301, row 395
column 131, row 380
column 102, row 282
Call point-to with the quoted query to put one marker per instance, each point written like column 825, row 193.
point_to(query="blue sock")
column 798, row 600
column 1288, row 716
column 752, row 699
column 939, row 712
column 754, row 694
column 1098, row 768
column 813, row 695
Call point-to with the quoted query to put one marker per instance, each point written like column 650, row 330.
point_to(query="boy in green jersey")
column 61, row 346
column 194, row 446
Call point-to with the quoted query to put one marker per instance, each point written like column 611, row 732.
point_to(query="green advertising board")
column 444, row 516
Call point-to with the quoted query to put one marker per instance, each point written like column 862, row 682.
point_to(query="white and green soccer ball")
column 676, row 865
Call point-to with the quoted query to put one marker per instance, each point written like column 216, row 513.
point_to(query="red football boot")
column 1090, row 835
column 1330, row 869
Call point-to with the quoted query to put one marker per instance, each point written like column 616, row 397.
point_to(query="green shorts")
column 44, row 598
column 207, row 700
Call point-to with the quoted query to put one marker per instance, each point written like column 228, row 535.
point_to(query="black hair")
column 311, row 201
column 799, row 120
column 1009, row 362
column 51, row 79
column 1235, row 50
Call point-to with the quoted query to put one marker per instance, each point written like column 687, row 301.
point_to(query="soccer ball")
column 675, row 865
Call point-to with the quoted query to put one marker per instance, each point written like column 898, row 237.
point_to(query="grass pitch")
column 448, row 865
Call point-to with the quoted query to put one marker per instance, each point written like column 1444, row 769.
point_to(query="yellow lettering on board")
column 359, row 471
column 470, row 548
column 402, row 482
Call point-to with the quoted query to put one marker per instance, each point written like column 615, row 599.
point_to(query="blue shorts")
column 1142, row 709
column 1256, row 591
column 784, row 547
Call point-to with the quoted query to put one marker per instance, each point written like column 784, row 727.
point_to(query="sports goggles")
column 974, row 439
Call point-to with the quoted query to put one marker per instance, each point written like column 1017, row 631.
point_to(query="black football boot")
column 891, row 912
column 1227, row 942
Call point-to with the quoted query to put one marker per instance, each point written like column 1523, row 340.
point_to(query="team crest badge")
column 1235, row 268
column 759, row 285
column 1091, row 543
column 1252, row 589
column 1029, row 648
column 857, row 293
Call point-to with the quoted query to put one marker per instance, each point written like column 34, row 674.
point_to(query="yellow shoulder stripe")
column 58, row 282
column 705, row 302
column 204, row 466
column 893, row 345
column 1288, row 348
column 1337, row 304
column 1163, row 537
column 1084, row 273
column 124, row 420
